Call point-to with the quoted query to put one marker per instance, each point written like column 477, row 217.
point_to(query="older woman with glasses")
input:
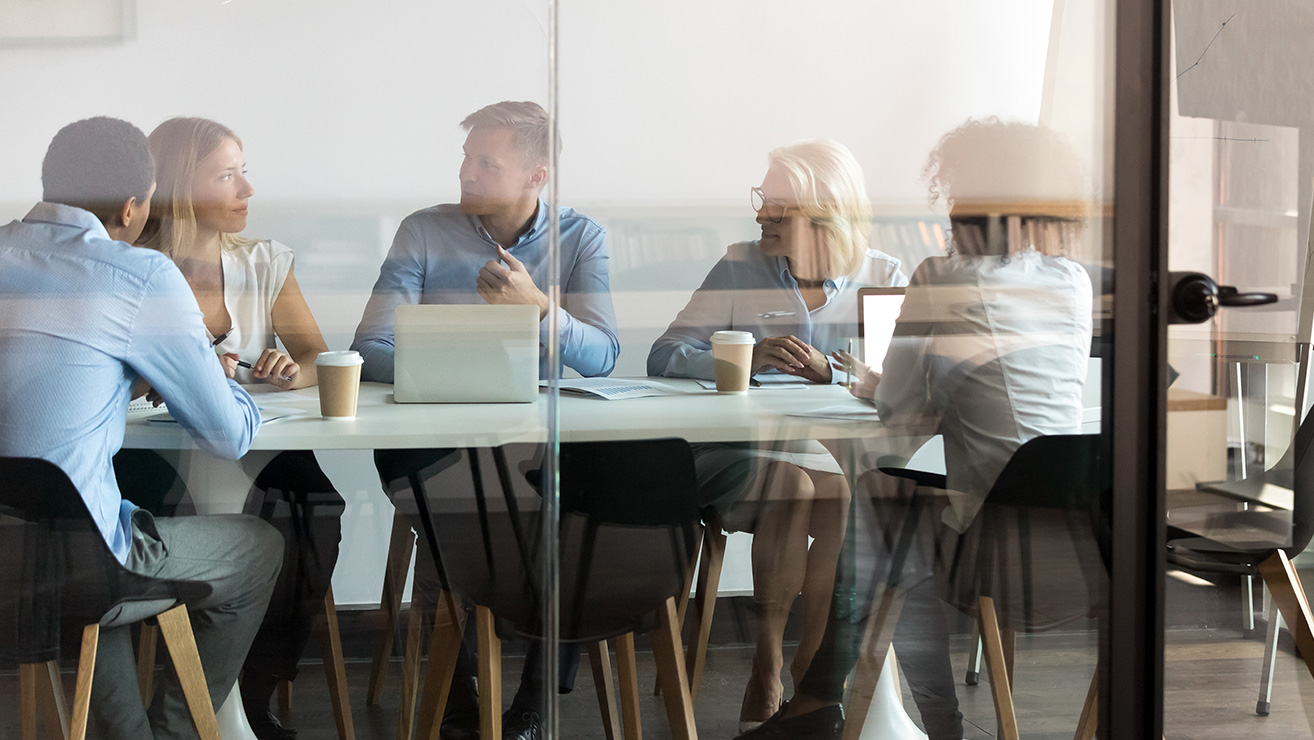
column 795, row 289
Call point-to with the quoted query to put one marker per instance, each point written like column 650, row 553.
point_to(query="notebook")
column 466, row 354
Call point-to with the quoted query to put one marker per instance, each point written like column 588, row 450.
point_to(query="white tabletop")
column 698, row 415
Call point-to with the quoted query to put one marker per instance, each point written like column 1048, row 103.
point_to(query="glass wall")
column 1239, row 212
column 731, row 151
column 713, row 355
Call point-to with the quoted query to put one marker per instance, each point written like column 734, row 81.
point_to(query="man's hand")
column 793, row 356
column 863, row 377
column 509, row 284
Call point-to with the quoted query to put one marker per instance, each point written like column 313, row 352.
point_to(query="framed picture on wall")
column 60, row 22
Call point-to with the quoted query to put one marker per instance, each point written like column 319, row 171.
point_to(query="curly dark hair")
column 97, row 164
column 1012, row 185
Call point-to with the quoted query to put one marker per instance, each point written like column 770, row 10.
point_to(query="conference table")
column 691, row 412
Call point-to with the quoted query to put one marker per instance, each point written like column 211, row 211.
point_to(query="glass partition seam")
column 1133, row 649
column 552, row 493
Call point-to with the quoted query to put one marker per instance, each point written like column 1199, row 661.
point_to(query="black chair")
column 60, row 571
column 1259, row 541
column 292, row 485
column 628, row 532
column 1034, row 558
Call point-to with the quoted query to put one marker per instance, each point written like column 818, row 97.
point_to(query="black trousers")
column 306, row 509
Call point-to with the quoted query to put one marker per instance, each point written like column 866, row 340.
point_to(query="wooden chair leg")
column 671, row 672
column 997, row 670
column 443, row 649
column 709, row 580
column 42, row 693
column 1289, row 595
column 77, row 728
column 410, row 671
column 1090, row 711
column 600, row 662
column 627, row 671
column 176, row 628
column 682, row 602
column 1008, row 639
column 284, row 693
column 401, row 545
column 335, row 670
column 871, row 659
column 490, row 674
column 28, row 673
column 146, row 644
column 51, row 702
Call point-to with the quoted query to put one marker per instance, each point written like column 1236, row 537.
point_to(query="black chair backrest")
column 629, row 528
column 642, row 483
column 1039, row 545
column 1062, row 471
column 1301, row 454
column 58, row 566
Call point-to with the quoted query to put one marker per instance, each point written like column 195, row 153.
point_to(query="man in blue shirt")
column 493, row 248
column 86, row 317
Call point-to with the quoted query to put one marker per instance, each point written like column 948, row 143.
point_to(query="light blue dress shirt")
column 436, row 257
column 749, row 291
column 82, row 317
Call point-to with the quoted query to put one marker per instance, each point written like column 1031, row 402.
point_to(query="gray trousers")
column 239, row 556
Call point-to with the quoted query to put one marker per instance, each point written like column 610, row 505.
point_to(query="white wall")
column 349, row 113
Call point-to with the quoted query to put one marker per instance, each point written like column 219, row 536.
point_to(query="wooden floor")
column 1212, row 680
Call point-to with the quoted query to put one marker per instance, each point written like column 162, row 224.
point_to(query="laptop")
column 878, row 310
column 466, row 354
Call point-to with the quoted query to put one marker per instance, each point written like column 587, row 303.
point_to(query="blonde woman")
column 250, row 301
column 795, row 288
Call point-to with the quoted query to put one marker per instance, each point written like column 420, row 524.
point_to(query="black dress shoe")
column 461, row 717
column 267, row 727
column 521, row 725
column 826, row 723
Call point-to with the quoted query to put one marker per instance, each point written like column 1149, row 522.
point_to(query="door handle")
column 1195, row 298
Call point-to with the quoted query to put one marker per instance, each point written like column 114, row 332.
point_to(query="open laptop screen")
column 878, row 309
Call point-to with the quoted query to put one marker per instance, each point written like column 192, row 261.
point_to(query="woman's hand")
column 276, row 368
column 864, row 378
column 793, row 356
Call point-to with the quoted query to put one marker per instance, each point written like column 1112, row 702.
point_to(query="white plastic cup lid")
column 339, row 358
column 733, row 337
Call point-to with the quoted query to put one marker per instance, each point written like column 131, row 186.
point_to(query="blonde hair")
column 179, row 145
column 830, row 192
column 527, row 121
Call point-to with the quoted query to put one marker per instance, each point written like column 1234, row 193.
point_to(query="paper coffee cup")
column 339, row 383
column 732, row 360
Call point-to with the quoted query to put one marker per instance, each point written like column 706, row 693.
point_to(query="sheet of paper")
column 616, row 389
column 856, row 411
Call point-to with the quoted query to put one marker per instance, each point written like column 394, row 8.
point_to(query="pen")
column 848, row 366
column 754, row 382
column 220, row 338
column 249, row 366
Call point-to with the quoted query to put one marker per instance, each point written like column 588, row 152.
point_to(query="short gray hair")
column 526, row 119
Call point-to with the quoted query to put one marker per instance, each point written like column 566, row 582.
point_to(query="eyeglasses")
column 774, row 210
